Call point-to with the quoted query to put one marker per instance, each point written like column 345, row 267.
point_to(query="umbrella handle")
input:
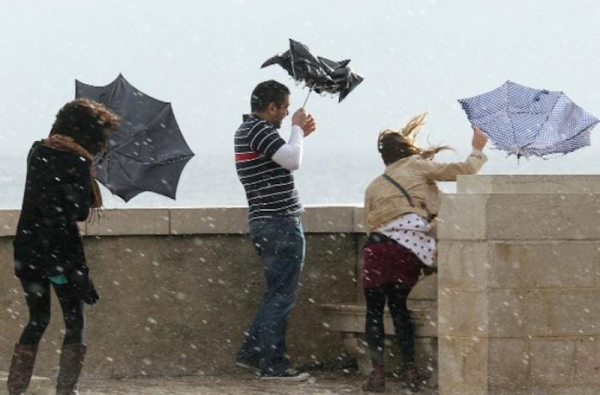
column 307, row 96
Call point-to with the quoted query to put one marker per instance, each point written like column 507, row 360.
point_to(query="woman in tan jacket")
column 400, row 208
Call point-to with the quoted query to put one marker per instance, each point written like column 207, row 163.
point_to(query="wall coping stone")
column 198, row 220
column 346, row 218
column 529, row 184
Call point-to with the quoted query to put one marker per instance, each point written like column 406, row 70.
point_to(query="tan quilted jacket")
column 384, row 202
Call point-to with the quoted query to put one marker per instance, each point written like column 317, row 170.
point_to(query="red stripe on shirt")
column 246, row 156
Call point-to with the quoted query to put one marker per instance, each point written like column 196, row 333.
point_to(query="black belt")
column 379, row 238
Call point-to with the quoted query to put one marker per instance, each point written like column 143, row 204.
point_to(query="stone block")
column 426, row 289
column 509, row 364
column 529, row 184
column 574, row 390
column 130, row 222
column 574, row 312
column 351, row 318
column 543, row 217
column 462, row 312
column 359, row 220
column 518, row 313
column 551, row 264
column 552, row 362
column 230, row 220
column 330, row 219
column 597, row 277
column 462, row 264
column 463, row 365
column 587, row 361
column 462, row 217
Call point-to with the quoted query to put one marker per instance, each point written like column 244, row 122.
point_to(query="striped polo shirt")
column 269, row 187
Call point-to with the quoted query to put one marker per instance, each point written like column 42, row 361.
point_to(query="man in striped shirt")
column 264, row 162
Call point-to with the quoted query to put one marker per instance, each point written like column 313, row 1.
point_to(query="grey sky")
column 204, row 57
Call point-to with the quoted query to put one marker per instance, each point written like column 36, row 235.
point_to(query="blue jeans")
column 280, row 243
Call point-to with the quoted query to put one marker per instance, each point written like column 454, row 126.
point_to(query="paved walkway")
column 223, row 385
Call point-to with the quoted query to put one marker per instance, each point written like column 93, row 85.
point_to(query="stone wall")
column 519, row 286
column 178, row 288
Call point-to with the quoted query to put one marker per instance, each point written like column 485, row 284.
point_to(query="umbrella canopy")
column 319, row 74
column 525, row 121
column 148, row 151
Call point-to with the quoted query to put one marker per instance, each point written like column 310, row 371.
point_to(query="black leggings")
column 37, row 295
column 396, row 295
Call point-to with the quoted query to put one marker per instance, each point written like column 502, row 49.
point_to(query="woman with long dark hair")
column 48, row 249
column 400, row 207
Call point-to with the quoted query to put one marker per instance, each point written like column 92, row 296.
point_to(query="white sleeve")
column 289, row 156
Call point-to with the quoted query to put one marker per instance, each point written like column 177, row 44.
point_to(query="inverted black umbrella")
column 525, row 121
column 317, row 73
column 148, row 151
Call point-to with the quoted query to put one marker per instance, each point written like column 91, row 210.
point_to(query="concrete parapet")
column 179, row 286
column 130, row 222
column 226, row 220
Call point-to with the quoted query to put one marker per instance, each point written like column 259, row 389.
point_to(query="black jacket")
column 58, row 193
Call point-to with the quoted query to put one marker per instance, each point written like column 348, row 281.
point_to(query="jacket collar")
column 398, row 163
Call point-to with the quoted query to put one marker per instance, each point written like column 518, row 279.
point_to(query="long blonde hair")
column 394, row 145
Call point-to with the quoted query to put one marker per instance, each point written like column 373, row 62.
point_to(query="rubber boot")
column 376, row 382
column 21, row 368
column 71, row 363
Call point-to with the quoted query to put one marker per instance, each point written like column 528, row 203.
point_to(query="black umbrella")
column 317, row 73
column 148, row 151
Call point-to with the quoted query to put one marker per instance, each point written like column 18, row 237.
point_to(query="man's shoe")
column 254, row 369
column 287, row 375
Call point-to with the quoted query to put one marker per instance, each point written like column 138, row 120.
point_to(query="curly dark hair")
column 87, row 122
column 268, row 92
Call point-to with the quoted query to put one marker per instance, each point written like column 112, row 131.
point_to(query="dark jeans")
column 280, row 243
column 37, row 296
column 396, row 295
